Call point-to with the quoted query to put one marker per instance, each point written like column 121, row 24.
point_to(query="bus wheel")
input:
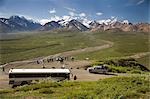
column 24, row 83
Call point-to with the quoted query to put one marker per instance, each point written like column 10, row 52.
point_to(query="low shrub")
column 123, row 66
column 5, row 91
column 45, row 91
column 132, row 87
column 143, row 89
column 37, row 86
column 79, row 95
column 117, row 69
column 136, row 72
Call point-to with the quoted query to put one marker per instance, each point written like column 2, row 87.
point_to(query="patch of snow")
column 43, row 21
column 108, row 21
column 86, row 22
column 125, row 21
column 64, row 20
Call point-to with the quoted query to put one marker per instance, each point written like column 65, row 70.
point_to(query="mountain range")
column 17, row 24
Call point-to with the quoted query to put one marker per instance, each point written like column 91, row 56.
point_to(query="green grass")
column 28, row 46
column 145, row 61
column 128, row 65
column 37, row 45
column 132, row 87
column 125, row 44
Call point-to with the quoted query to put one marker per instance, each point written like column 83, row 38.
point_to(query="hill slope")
column 134, row 87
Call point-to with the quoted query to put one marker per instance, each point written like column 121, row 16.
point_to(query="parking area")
column 76, row 67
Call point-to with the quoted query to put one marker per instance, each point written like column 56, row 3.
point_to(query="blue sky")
column 132, row 10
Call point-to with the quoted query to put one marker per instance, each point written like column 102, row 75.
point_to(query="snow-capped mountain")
column 65, row 20
column 51, row 26
column 4, row 27
column 94, row 24
column 65, row 24
column 117, row 25
column 76, row 25
column 125, row 22
column 16, row 23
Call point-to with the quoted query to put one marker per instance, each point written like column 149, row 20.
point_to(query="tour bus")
column 26, row 76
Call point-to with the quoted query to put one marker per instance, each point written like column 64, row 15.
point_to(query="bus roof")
column 39, row 71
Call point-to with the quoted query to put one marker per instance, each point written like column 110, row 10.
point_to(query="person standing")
column 3, row 68
column 75, row 77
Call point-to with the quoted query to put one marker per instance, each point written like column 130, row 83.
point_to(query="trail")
column 88, row 49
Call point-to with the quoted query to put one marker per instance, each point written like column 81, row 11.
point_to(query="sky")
column 45, row 10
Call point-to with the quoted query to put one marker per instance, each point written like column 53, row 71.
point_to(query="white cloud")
column 140, row 2
column 70, row 9
column 52, row 11
column 55, row 18
column 134, row 2
column 112, row 17
column 82, row 14
column 72, row 14
column 99, row 13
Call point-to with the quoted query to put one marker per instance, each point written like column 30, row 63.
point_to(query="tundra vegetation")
column 128, row 65
column 132, row 87
column 32, row 45
column 29, row 46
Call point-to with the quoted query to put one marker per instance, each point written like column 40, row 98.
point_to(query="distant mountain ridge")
column 51, row 26
column 119, row 25
column 16, row 24
column 76, row 25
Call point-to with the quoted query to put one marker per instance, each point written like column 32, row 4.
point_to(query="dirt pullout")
column 68, row 64
column 84, row 75
column 3, row 80
column 76, row 67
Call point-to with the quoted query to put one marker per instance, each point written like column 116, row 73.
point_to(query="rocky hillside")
column 76, row 25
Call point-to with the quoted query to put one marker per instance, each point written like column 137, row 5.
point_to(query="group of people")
column 59, row 59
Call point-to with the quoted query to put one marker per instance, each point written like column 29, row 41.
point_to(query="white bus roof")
column 39, row 71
